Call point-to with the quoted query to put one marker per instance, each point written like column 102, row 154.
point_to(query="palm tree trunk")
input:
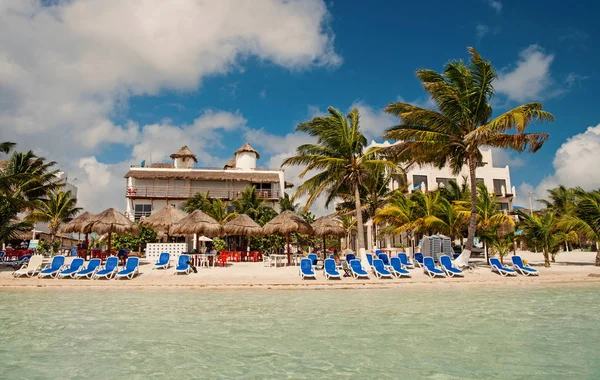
column 473, row 220
column 360, row 238
column 546, row 259
column 597, row 255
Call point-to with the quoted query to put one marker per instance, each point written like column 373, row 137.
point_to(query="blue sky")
column 150, row 85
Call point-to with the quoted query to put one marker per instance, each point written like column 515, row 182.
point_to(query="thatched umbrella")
column 163, row 219
column 326, row 226
column 80, row 224
column 286, row 223
column 197, row 223
column 242, row 225
column 111, row 221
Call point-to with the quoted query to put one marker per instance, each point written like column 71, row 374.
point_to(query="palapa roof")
column 327, row 226
column 287, row 222
column 112, row 221
column 242, row 225
column 164, row 218
column 197, row 223
column 80, row 224
column 230, row 164
column 161, row 165
column 184, row 152
column 247, row 148
column 209, row 175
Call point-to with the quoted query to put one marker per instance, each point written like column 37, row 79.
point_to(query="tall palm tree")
column 198, row 201
column 454, row 134
column 542, row 231
column 218, row 211
column 348, row 224
column 586, row 220
column 339, row 157
column 562, row 200
column 286, row 204
column 249, row 203
column 455, row 192
column 399, row 213
column 59, row 208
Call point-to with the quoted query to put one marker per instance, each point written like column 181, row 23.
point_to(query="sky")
column 98, row 85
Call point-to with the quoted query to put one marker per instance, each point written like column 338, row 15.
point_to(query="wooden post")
column 287, row 249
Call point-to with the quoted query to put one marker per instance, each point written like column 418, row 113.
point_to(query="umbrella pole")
column 109, row 236
column 287, row 248
column 324, row 247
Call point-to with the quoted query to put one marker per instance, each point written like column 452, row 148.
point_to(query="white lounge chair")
column 33, row 267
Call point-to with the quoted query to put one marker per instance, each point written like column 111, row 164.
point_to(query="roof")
column 204, row 175
column 247, row 148
column 184, row 152
column 162, row 165
column 230, row 164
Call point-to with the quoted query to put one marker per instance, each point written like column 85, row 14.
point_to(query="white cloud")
column 481, row 31
column 503, row 157
column 495, row 4
column 530, row 78
column 573, row 165
column 374, row 121
column 66, row 70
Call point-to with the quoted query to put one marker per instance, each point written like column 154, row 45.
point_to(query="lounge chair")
column 448, row 268
column 2, row 256
column 131, row 268
column 34, row 265
column 70, row 272
column 182, row 265
column 163, row 261
column 379, row 269
column 331, row 270
column 370, row 259
column 55, row 266
column 357, row 269
column 314, row 259
column 306, row 269
column 419, row 259
column 109, row 270
column 501, row 269
column 404, row 260
column 397, row 268
column 18, row 263
column 430, row 269
column 385, row 258
column 350, row 257
column 523, row 269
column 91, row 269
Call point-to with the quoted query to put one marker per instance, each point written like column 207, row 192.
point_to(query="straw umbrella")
column 163, row 219
column 286, row 223
column 242, row 225
column 197, row 223
column 80, row 224
column 111, row 221
column 326, row 226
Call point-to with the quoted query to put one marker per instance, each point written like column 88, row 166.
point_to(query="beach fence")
column 153, row 250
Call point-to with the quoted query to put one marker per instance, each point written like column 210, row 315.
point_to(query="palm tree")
column 400, row 214
column 286, row 203
column 338, row 157
column 586, row 220
column 6, row 146
column 562, row 200
column 455, row 192
column 249, row 203
column 218, row 211
column 501, row 245
column 348, row 224
column 59, row 208
column 542, row 231
column 454, row 134
column 198, row 201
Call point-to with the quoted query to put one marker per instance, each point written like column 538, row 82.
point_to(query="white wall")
column 245, row 161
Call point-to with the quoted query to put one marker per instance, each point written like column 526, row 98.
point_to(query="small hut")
column 242, row 225
column 286, row 223
column 111, row 221
column 163, row 219
column 197, row 223
column 327, row 226
column 80, row 224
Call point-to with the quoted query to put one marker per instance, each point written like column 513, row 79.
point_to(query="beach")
column 574, row 267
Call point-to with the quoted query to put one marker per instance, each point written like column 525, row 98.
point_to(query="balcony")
column 171, row 192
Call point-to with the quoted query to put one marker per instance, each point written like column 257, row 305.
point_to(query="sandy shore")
column 575, row 268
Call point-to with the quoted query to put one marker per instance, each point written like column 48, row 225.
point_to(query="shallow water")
column 542, row 333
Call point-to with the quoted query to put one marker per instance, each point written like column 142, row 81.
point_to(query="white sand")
column 571, row 268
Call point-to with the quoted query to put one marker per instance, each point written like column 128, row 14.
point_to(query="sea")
column 447, row 333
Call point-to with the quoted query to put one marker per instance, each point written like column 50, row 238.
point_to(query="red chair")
column 222, row 261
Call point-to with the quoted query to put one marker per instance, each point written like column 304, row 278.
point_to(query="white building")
column 429, row 178
column 152, row 187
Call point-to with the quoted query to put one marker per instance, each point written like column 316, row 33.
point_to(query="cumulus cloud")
column 571, row 166
column 495, row 4
column 503, row 157
column 374, row 121
column 481, row 31
column 67, row 69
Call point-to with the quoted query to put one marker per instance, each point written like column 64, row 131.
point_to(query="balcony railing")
column 187, row 192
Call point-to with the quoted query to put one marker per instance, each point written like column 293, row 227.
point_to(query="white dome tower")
column 245, row 158
column 184, row 158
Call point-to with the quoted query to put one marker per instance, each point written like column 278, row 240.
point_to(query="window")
column 443, row 181
column 479, row 181
column 142, row 210
column 503, row 206
column 498, row 184
column 418, row 180
column 262, row 186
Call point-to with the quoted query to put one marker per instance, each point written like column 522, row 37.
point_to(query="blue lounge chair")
column 501, row 269
column 370, row 259
column 379, row 269
column 70, row 272
column 397, row 268
column 109, row 270
column 419, row 259
column 73, row 251
column 384, row 257
column 524, row 269
column 430, row 269
column 330, row 270
column 378, row 252
column 306, row 269
column 55, row 266
column 314, row 259
column 182, row 265
column 350, row 257
column 448, row 268
column 163, row 261
column 357, row 269
column 404, row 260
column 18, row 263
column 131, row 268
column 2, row 256
column 91, row 269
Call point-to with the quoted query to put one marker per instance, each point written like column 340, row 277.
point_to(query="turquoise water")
column 306, row 334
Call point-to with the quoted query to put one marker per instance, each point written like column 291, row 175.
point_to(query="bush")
column 219, row 244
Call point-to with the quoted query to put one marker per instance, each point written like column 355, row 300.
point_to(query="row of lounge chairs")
column 183, row 263
column 94, row 269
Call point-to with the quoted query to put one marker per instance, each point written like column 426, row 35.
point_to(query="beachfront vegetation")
column 336, row 162
column 137, row 242
column 584, row 217
column 60, row 207
column 462, row 124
